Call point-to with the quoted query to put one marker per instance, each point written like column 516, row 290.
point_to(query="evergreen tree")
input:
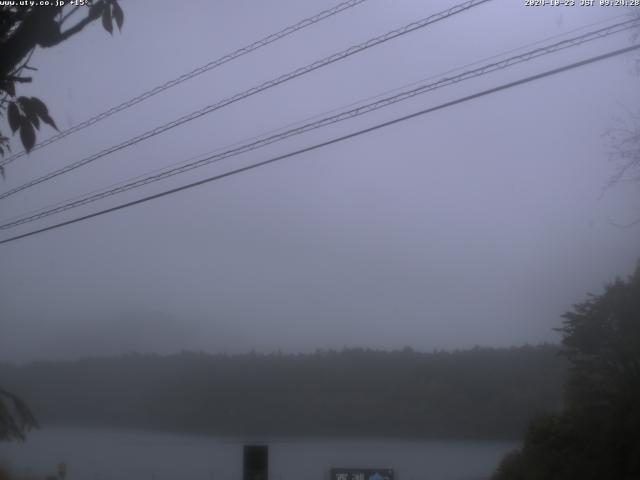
column 598, row 434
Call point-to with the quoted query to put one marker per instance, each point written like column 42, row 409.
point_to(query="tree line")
column 476, row 393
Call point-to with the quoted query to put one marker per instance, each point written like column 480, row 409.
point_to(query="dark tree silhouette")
column 624, row 147
column 22, row 30
column 624, row 142
column 477, row 393
column 15, row 417
column 624, row 153
column 598, row 433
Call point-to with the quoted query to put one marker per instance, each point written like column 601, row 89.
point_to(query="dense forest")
column 477, row 393
column 597, row 433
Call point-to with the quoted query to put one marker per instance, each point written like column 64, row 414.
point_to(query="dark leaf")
column 96, row 10
column 24, row 103
column 118, row 14
column 2, row 171
column 39, row 106
column 9, row 87
column 42, row 111
column 29, row 110
column 49, row 121
column 14, row 117
column 27, row 134
column 107, row 21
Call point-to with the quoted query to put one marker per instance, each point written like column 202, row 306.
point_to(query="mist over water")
column 131, row 455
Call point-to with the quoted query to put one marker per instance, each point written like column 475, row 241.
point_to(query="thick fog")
column 478, row 224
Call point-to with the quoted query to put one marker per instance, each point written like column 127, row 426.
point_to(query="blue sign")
column 361, row 474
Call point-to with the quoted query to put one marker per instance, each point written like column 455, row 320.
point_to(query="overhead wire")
column 378, row 126
column 319, row 115
column 193, row 73
column 344, row 115
column 411, row 27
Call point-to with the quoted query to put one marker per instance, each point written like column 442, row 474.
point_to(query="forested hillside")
column 478, row 393
column 597, row 433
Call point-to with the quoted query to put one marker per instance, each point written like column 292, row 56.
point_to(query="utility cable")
column 458, row 101
column 345, row 115
column 252, row 91
column 193, row 73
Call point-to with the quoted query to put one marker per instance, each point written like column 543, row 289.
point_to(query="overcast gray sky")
column 478, row 224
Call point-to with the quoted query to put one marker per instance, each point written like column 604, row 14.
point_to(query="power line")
column 193, row 73
column 252, row 91
column 458, row 101
column 313, row 117
column 344, row 115
column 188, row 165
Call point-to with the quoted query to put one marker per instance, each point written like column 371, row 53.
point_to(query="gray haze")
column 476, row 225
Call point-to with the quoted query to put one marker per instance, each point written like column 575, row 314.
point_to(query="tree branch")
column 40, row 28
column 75, row 29
column 68, row 14
column 624, row 225
column 13, row 78
column 38, row 24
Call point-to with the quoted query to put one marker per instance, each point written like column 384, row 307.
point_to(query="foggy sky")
column 476, row 225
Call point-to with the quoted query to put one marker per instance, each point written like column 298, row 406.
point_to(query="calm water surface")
column 101, row 454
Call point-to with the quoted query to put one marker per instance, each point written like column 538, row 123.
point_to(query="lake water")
column 102, row 454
